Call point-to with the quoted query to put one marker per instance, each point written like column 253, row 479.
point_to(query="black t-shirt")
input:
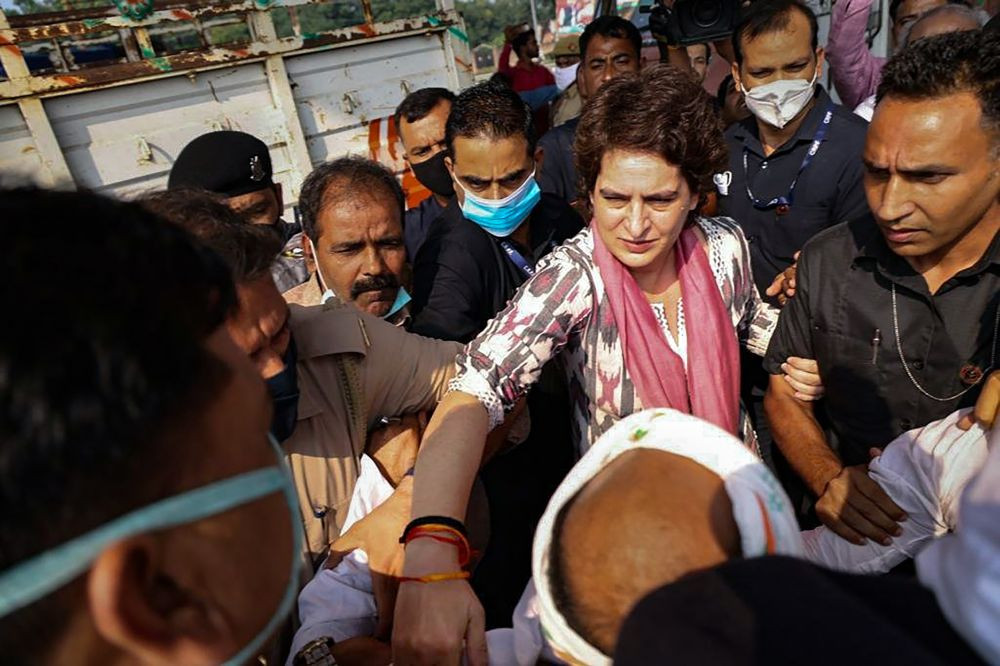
column 462, row 277
column 829, row 191
column 841, row 316
column 558, row 174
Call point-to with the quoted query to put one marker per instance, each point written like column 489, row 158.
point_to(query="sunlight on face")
column 641, row 203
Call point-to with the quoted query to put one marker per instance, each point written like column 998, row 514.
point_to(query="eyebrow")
column 662, row 195
column 477, row 180
column 917, row 170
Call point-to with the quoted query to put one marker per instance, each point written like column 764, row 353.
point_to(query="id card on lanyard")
column 523, row 265
column 784, row 203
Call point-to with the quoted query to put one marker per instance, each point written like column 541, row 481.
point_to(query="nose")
column 635, row 220
column 609, row 71
column 892, row 200
column 373, row 263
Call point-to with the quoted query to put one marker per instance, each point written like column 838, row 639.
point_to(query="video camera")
column 692, row 21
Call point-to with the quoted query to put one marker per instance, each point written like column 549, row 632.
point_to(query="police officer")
column 237, row 165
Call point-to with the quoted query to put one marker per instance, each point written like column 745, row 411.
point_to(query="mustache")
column 374, row 283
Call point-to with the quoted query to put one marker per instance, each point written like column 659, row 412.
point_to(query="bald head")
column 647, row 519
column 949, row 18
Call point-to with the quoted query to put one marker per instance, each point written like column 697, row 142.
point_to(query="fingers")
column 874, row 453
column 840, row 528
column 802, row 374
column 873, row 492
column 475, row 637
column 988, row 403
column 804, row 365
column 777, row 286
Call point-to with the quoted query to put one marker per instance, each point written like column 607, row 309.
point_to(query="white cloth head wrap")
column 761, row 509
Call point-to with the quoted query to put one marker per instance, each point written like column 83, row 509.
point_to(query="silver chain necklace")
column 913, row 380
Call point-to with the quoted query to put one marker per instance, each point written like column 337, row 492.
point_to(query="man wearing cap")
column 610, row 46
column 237, row 165
column 569, row 103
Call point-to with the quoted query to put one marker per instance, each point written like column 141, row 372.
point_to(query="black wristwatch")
column 316, row 653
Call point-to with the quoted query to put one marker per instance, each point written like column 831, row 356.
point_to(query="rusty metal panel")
column 338, row 93
column 123, row 140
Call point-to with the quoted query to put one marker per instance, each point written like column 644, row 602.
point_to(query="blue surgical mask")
column 500, row 217
column 402, row 298
column 43, row 574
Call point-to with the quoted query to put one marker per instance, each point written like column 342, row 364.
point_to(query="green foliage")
column 486, row 19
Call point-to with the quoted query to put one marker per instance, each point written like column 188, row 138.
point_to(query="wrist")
column 426, row 556
column 831, row 473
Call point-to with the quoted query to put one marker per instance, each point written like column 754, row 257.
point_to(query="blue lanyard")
column 785, row 202
column 518, row 259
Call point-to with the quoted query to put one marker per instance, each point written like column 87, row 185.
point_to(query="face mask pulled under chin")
column 777, row 102
column 565, row 76
column 31, row 580
column 433, row 175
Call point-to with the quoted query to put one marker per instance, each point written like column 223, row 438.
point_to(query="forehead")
column 347, row 213
column 941, row 130
column 942, row 23
column 260, row 299
column 601, row 46
column 625, row 170
column 776, row 47
column 481, row 155
column 430, row 126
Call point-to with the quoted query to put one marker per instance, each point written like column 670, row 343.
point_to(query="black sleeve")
column 446, row 291
column 793, row 335
column 851, row 200
column 551, row 177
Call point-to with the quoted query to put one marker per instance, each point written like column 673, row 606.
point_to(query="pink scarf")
column 710, row 387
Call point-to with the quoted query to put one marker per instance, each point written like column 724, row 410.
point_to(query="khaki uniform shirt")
column 353, row 368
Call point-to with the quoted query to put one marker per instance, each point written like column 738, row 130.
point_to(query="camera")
column 693, row 21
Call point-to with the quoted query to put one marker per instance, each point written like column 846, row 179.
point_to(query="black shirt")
column 416, row 222
column 828, row 192
column 841, row 316
column 558, row 174
column 462, row 276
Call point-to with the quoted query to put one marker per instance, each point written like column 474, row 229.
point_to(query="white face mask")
column 565, row 76
column 778, row 102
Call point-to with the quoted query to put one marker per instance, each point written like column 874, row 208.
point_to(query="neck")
column 443, row 201
column 522, row 235
column 940, row 266
column 658, row 276
column 773, row 138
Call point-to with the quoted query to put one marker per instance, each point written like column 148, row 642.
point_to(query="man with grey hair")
column 352, row 221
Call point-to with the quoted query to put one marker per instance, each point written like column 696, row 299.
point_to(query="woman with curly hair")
column 645, row 308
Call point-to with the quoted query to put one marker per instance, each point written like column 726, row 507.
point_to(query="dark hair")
column 521, row 40
column 419, row 103
column 611, row 26
column 661, row 110
column 104, row 357
column 768, row 16
column 948, row 64
column 247, row 249
column 490, row 110
column 720, row 95
column 353, row 176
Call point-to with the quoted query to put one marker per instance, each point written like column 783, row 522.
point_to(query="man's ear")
column 735, row 69
column 307, row 253
column 140, row 610
column 820, row 61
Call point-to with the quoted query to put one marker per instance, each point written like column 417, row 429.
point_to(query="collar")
column 333, row 328
column 748, row 133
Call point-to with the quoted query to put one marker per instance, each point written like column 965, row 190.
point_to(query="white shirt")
column 963, row 569
column 924, row 471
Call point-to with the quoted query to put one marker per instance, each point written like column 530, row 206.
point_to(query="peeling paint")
column 162, row 64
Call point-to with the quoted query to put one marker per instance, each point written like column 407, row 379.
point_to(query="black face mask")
column 284, row 390
column 433, row 175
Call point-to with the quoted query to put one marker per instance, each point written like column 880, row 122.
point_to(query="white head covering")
column 760, row 507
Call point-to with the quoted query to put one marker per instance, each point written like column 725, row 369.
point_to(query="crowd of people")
column 651, row 376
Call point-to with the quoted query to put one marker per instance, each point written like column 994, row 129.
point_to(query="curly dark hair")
column 662, row 111
column 948, row 64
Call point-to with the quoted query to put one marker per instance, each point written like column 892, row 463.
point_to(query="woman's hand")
column 802, row 374
column 433, row 619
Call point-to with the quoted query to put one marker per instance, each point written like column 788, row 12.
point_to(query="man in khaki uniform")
column 333, row 370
